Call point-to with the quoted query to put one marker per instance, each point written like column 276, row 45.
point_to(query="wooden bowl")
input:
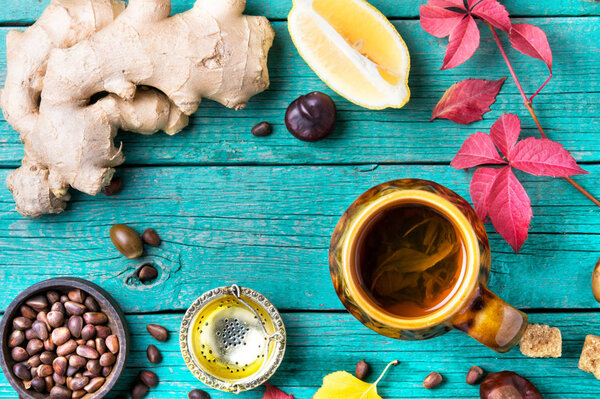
column 116, row 321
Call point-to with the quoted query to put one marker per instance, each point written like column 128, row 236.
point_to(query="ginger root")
column 152, row 69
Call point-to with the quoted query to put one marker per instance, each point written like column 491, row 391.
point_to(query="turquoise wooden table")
column 259, row 212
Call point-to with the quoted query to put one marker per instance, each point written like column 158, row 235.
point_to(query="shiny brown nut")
column 78, row 383
column 88, row 332
column 75, row 308
column 596, row 281
column 150, row 237
column 52, row 297
column 311, row 117
column 16, row 338
column 76, row 295
column 198, row 394
column 60, row 335
column 107, row 359
column 43, row 317
column 49, row 344
column 149, row 378
column 71, row 371
column 91, row 343
column 432, row 380
column 78, row 394
column 35, row 346
column 58, row 307
column 89, row 374
column 21, row 371
column 40, row 329
column 87, row 352
column 34, row 361
column 59, row 365
column 91, row 304
column 262, row 129
column 38, row 384
column 64, row 298
column 49, row 383
column 47, row 357
column 38, row 302
column 80, row 341
column 106, row 371
column 77, row 361
column 19, row 354
column 103, row 331
column 126, row 240
column 33, row 371
column 67, row 348
column 95, row 318
column 22, row 323
column 138, row 390
column 29, row 334
column 94, row 384
column 153, row 354
column 112, row 188
column 59, row 392
column 101, row 346
column 112, row 343
column 507, row 384
column 474, row 375
column 59, row 379
column 362, row 369
column 55, row 319
column 75, row 325
column 147, row 273
column 158, row 332
column 93, row 366
column 44, row 370
column 27, row 312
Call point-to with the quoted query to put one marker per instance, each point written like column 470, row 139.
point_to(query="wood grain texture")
column 319, row 344
column 567, row 108
column 29, row 10
column 268, row 228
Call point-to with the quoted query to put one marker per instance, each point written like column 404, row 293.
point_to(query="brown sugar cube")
column 589, row 361
column 540, row 340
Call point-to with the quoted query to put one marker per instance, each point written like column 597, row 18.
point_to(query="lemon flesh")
column 354, row 49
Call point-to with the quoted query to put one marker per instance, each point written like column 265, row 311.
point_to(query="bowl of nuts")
column 63, row 338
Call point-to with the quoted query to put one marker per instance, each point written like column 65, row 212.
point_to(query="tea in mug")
column 410, row 259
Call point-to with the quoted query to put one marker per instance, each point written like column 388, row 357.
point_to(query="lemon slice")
column 354, row 49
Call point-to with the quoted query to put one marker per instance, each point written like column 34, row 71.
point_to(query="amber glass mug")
column 472, row 308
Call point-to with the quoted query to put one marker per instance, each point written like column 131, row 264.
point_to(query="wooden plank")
column 319, row 344
column 29, row 10
column 268, row 228
column 221, row 136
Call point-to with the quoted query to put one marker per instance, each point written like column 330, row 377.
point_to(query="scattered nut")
column 149, row 378
column 158, row 332
column 153, row 354
column 150, row 237
column 138, row 390
column 198, row 394
column 147, row 273
column 115, row 185
column 362, row 369
column 507, row 384
column 311, row 117
column 474, row 375
column 432, row 380
column 262, row 129
column 126, row 240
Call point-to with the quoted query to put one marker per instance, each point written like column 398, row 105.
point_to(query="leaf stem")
column 541, row 87
column 529, row 106
column 390, row 364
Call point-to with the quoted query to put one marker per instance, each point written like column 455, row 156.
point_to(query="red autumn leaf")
column 492, row 12
column 510, row 208
column 532, row 41
column 464, row 40
column 465, row 102
column 481, row 186
column 505, row 133
column 439, row 21
column 478, row 149
column 448, row 3
column 272, row 392
column 544, row 157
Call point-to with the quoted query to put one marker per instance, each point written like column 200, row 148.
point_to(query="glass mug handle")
column 491, row 321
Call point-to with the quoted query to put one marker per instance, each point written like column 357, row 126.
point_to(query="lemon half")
column 354, row 49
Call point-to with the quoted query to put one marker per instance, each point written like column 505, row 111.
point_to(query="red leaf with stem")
column 465, row 102
column 505, row 133
column 481, row 186
column 464, row 40
column 510, row 208
column 478, row 149
column 493, row 12
column 439, row 21
column 272, row 392
column 544, row 157
column 532, row 41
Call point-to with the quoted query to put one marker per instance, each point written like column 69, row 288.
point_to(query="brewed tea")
column 409, row 259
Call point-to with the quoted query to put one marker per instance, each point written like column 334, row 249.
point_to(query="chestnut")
column 311, row 117
column 508, row 385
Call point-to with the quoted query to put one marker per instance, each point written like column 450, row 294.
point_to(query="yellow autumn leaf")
column 344, row 385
